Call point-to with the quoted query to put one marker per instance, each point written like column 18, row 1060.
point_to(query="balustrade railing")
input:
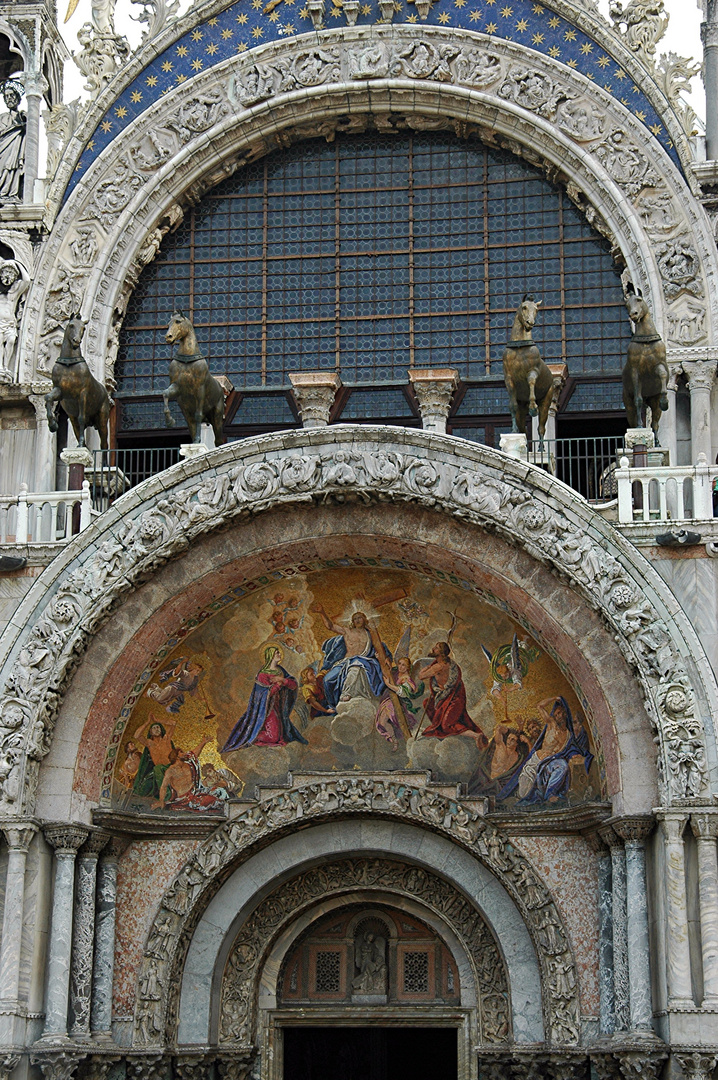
column 665, row 493
column 44, row 517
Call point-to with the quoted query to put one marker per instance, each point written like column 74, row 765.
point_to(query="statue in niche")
column 14, row 283
column 370, row 962
column 13, row 126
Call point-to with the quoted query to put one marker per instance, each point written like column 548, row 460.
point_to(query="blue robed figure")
column 548, row 778
column 354, row 671
column 266, row 720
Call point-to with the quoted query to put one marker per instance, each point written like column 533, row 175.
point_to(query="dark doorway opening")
column 369, row 1053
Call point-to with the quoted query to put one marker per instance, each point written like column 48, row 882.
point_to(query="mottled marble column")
column 101, row 1014
column 705, row 830
column 18, row 836
column 605, row 939
column 678, row 960
column 619, row 943
column 83, row 934
column 634, row 831
column 66, row 839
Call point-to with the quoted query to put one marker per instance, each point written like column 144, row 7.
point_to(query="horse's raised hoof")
column 52, row 425
column 664, row 402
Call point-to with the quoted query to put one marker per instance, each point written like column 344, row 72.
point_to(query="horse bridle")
column 188, row 359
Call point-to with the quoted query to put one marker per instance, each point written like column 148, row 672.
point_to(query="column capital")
column 597, row 843
column 700, row 374
column 434, row 389
column 94, row 844
column 673, row 826
column 77, row 455
column 635, row 828
column 704, row 826
column 117, row 846
column 18, row 834
column 314, row 393
column 65, row 838
column 610, row 838
column 697, row 1065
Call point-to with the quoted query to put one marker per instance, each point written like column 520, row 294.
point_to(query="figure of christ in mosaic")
column 266, row 720
column 354, row 661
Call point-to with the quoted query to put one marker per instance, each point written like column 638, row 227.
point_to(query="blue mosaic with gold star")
column 245, row 25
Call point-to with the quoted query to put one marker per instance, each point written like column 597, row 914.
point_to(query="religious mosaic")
column 352, row 667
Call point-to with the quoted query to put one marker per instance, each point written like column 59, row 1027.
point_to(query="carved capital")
column 78, row 455
column 597, row 842
column 59, row 1065
column 673, row 827
column 606, row 1066
column 434, row 389
column 237, row 1066
column 700, row 374
column 640, row 1064
column 610, row 838
column 18, row 836
column 635, row 829
column 697, row 1065
column 704, row 826
column 95, row 843
column 314, row 392
column 65, row 839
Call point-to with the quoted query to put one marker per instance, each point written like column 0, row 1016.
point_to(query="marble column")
column 619, row 943
column 65, row 839
column 45, row 445
column 83, row 935
column 700, row 375
column 18, row 836
column 35, row 88
column 315, row 393
column 434, row 389
column 634, row 831
column 102, row 973
column 678, row 961
column 705, row 830
column 605, row 938
column 669, row 419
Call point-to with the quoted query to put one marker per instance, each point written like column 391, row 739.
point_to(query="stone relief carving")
column 643, row 24
column 686, row 324
column 156, row 15
column 237, row 1011
column 113, row 195
column 203, row 872
column 673, row 75
column 61, row 122
column 534, row 91
column 162, row 530
column 627, row 166
column 680, row 268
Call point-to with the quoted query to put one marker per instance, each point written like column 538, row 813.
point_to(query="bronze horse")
column 83, row 398
column 645, row 376
column 199, row 395
column 528, row 379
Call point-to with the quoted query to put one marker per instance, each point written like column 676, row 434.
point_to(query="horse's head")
column 636, row 306
column 73, row 334
column 528, row 310
column 178, row 328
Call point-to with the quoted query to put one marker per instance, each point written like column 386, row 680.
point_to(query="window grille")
column 416, row 973
column 328, row 979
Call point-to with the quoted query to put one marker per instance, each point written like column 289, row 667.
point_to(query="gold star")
column 304, row 13
column 411, row 18
column 211, row 48
column 586, row 48
column 603, row 61
column 242, row 19
column 336, row 12
column 624, row 101
column 444, row 18
column 181, row 50
column 91, row 144
column 640, row 114
column 135, row 97
column 242, row 47
column 507, row 12
column 475, row 15
column 366, row 9
column 105, row 125
column 619, row 74
column 635, row 89
column 522, row 25
column 554, row 23
column 257, row 32
column 167, row 66
column 273, row 16
column 212, row 22
column 79, row 167
column 197, row 65
column 197, row 35
column 226, row 34
column 570, row 35
column 589, row 75
column 151, row 80
column 288, row 28
column 537, row 9
column 121, row 112
column 656, row 129
column 572, row 63
column 256, row 4
column 537, row 39
column 490, row 28
column 554, row 51
column 181, row 78
column 459, row 3
column 607, row 86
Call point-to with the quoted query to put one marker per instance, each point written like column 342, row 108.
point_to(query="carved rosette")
column 183, row 903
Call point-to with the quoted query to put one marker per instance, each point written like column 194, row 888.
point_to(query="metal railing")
column 44, row 517
column 588, row 465
column 116, row 471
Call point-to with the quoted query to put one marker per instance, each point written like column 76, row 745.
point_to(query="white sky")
column 682, row 37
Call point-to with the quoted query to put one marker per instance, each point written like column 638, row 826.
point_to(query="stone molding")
column 183, row 903
column 133, row 194
column 159, row 519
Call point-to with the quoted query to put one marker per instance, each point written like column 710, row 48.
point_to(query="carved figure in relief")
column 13, row 125
column 82, row 397
column 370, row 959
column 528, row 379
column 199, row 395
column 14, row 283
column 474, row 68
column 645, row 376
column 645, row 23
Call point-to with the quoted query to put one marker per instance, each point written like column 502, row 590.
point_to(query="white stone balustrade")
column 42, row 517
column 670, row 493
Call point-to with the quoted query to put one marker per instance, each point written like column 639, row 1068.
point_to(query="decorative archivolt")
column 160, row 975
column 161, row 518
column 418, row 77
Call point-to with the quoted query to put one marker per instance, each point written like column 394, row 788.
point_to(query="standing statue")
column 370, row 959
column 528, row 379
column 13, row 125
column 83, row 398
column 645, row 376
column 14, row 282
column 199, row 395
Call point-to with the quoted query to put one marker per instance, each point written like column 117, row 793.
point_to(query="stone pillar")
column 66, row 839
column 619, row 942
column 678, row 961
column 35, row 87
column 45, row 443
column 560, row 374
column 705, row 830
column 101, row 1014
column 314, row 393
column 605, row 939
column 83, row 935
column 709, row 37
column 18, row 836
column 669, row 419
column 700, row 375
column 434, row 389
column 634, row 831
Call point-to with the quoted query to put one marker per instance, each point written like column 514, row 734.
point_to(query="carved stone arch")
column 192, row 933
column 216, row 121
column 159, row 520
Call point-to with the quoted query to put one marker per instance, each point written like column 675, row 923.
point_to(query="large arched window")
column 370, row 255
